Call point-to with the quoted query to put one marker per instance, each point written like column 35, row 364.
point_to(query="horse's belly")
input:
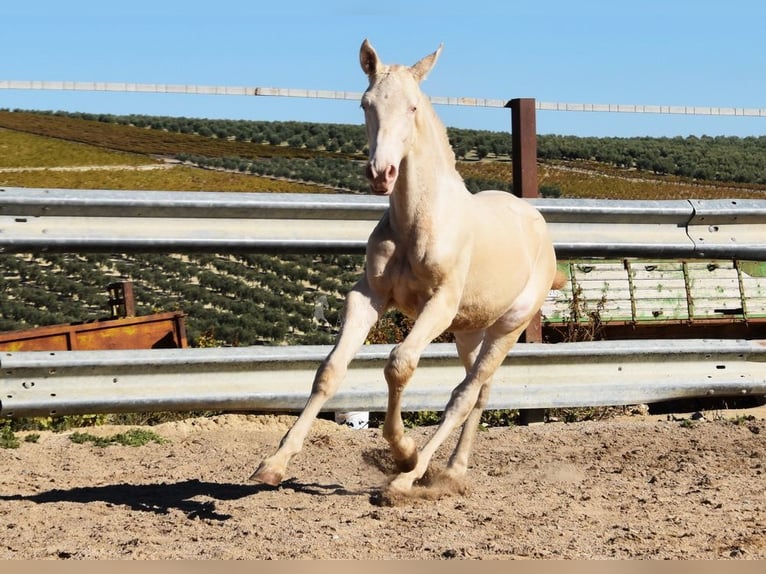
column 470, row 322
column 479, row 314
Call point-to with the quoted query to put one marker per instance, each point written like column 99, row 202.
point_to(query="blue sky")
column 663, row 52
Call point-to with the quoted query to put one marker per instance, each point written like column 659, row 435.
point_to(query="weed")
column 57, row 424
column 421, row 418
column 7, row 438
column 499, row 418
column 489, row 418
column 741, row 420
column 132, row 437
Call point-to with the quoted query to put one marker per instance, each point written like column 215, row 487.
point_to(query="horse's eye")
column 413, row 109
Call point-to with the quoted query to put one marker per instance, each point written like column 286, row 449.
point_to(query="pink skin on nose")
column 381, row 183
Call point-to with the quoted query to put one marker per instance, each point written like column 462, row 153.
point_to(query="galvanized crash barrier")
column 144, row 221
column 279, row 378
column 534, row 376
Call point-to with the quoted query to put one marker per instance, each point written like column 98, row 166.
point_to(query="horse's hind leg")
column 458, row 462
column 468, row 346
column 361, row 312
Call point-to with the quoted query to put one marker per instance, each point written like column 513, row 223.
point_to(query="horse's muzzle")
column 381, row 182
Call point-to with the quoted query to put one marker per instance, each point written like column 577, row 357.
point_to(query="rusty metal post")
column 524, row 158
column 122, row 302
column 524, row 134
column 524, row 142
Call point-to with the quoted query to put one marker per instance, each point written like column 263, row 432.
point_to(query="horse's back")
column 502, row 215
column 513, row 237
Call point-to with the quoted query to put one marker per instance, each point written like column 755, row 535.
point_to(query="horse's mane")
column 432, row 120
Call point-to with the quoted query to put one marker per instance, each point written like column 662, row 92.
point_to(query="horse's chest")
column 410, row 269
column 412, row 284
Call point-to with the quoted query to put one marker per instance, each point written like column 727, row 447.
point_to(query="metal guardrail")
column 533, row 376
column 279, row 378
column 124, row 221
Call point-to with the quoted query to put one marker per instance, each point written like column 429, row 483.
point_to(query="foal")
column 479, row 266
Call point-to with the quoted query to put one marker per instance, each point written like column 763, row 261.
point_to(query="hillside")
column 257, row 299
column 331, row 155
column 229, row 300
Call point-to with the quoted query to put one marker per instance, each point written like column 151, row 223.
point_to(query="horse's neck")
column 427, row 174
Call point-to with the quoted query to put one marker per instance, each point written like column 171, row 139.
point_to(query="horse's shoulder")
column 382, row 232
column 381, row 245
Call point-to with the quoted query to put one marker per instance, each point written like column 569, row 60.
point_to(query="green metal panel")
column 604, row 289
column 659, row 291
column 648, row 291
column 753, row 278
column 714, row 289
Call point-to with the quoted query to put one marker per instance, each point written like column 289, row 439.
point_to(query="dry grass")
column 600, row 181
column 19, row 149
column 22, row 150
column 97, row 142
column 178, row 178
column 143, row 140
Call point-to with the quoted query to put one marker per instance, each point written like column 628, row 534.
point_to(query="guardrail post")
column 524, row 161
column 524, row 158
column 524, row 142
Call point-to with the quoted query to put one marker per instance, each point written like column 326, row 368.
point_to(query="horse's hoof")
column 407, row 464
column 267, row 476
column 394, row 493
column 408, row 461
column 399, row 486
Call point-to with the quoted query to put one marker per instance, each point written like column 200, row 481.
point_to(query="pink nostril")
column 383, row 177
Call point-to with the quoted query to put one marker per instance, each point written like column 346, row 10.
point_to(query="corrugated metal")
column 733, row 224
column 279, row 378
column 103, row 220
column 571, row 374
column 659, row 291
column 662, row 291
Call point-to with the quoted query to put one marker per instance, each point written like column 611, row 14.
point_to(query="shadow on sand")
column 183, row 496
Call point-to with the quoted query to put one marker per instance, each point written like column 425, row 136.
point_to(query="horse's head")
column 390, row 105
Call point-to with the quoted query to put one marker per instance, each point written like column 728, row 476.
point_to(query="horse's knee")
column 326, row 380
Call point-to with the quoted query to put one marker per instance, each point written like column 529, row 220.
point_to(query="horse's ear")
column 368, row 58
column 423, row 67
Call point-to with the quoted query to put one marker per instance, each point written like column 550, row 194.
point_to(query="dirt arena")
column 637, row 487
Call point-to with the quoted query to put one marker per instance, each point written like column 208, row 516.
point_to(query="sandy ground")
column 643, row 487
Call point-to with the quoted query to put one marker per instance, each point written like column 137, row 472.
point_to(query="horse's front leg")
column 434, row 318
column 362, row 310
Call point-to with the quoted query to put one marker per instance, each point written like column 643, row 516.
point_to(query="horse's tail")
column 559, row 280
